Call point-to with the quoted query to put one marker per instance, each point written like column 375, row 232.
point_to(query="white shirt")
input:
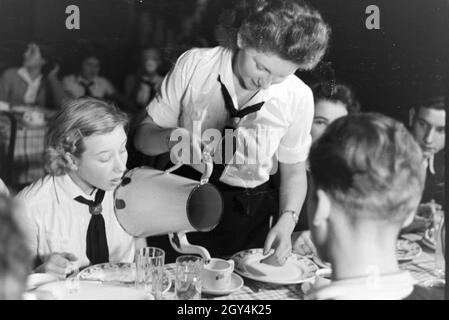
column 32, row 85
column 393, row 286
column 54, row 222
column 100, row 87
column 3, row 189
column 191, row 92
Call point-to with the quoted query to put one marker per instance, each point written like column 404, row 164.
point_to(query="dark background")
column 390, row 68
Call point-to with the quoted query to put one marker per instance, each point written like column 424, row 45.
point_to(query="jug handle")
column 175, row 167
column 179, row 240
column 209, row 165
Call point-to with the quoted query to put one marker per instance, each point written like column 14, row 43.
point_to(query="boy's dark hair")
column 437, row 102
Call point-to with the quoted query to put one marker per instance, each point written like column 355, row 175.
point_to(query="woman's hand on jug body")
column 187, row 148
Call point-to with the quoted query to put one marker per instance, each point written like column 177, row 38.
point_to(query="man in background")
column 428, row 123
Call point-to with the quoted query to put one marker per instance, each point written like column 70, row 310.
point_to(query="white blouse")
column 54, row 222
column 191, row 97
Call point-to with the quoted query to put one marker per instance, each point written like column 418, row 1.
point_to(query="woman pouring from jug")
column 245, row 89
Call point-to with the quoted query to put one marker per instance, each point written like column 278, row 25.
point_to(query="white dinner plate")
column 236, row 284
column 296, row 269
column 407, row 250
column 121, row 272
column 87, row 290
column 36, row 279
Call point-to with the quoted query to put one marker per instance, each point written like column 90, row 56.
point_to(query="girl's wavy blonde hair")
column 78, row 119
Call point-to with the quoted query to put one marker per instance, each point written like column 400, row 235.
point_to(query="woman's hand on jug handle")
column 178, row 150
column 279, row 239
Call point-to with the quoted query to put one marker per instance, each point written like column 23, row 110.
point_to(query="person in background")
column 188, row 36
column 15, row 258
column 69, row 218
column 248, row 82
column 367, row 175
column 28, row 85
column 3, row 189
column 87, row 82
column 141, row 87
column 428, row 125
column 333, row 100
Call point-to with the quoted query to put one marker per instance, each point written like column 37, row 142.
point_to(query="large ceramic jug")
column 152, row 202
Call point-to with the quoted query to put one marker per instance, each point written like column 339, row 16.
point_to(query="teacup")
column 217, row 274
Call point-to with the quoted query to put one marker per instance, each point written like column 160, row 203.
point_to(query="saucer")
column 236, row 284
column 296, row 269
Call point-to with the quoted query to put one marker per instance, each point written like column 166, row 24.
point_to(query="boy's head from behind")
column 368, row 176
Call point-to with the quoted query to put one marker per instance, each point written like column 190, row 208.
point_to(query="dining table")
column 422, row 269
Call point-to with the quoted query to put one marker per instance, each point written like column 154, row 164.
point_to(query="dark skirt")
column 244, row 225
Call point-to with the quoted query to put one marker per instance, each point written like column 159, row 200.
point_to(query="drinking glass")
column 150, row 270
column 72, row 281
column 188, row 277
column 439, row 243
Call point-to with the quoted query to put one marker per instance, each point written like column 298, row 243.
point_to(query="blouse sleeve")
column 165, row 108
column 295, row 144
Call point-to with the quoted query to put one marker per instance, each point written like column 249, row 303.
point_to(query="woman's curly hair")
column 78, row 119
column 290, row 29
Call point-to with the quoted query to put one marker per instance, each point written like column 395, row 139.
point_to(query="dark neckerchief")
column 233, row 116
column 232, row 111
column 87, row 87
column 97, row 250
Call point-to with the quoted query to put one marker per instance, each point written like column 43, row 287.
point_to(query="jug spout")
column 180, row 243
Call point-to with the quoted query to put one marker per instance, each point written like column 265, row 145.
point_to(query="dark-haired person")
column 428, row 127
column 69, row 214
column 88, row 82
column 246, row 84
column 141, row 87
column 14, row 255
column 367, row 176
column 333, row 100
column 28, row 85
